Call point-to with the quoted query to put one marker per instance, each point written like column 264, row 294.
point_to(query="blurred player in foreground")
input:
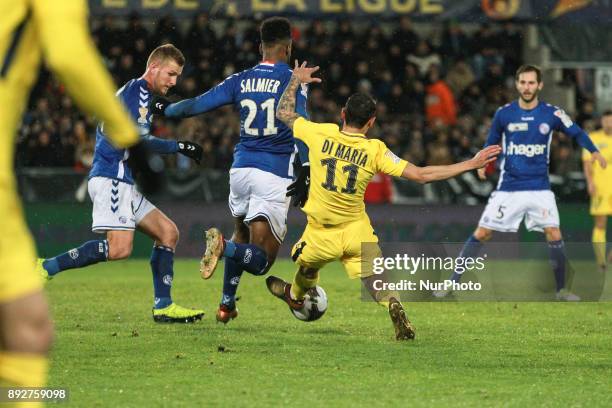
column 119, row 208
column 29, row 30
column 342, row 163
column 262, row 169
column 525, row 128
column 599, row 183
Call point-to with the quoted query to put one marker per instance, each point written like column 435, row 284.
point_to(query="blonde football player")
column 342, row 163
column 29, row 31
column 599, row 183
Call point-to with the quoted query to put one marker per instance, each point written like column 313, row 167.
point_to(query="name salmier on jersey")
column 265, row 142
column 259, row 85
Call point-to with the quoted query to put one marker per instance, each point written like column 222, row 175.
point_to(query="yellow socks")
column 301, row 284
column 599, row 245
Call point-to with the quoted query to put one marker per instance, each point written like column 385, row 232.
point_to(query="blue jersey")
column 111, row 162
column 525, row 136
column 265, row 142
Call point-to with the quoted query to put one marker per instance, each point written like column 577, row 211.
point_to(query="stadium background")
column 439, row 70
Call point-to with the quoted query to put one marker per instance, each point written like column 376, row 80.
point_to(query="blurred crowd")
column 436, row 92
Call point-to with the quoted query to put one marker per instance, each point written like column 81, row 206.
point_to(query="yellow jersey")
column 341, row 166
column 601, row 177
column 58, row 32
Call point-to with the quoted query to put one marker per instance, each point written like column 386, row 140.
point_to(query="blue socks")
column 249, row 257
column 162, row 266
column 238, row 258
column 89, row 253
column 556, row 251
column 231, row 279
column 470, row 249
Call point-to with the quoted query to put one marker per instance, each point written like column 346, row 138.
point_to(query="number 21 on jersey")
column 268, row 107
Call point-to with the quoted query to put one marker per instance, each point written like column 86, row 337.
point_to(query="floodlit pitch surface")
column 108, row 351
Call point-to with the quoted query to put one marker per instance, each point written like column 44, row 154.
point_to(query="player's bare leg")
column 120, row 244
column 165, row 235
column 231, row 278
column 26, row 335
column 470, row 249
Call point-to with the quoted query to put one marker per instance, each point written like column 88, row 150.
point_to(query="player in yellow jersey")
column 599, row 183
column 342, row 163
column 29, row 31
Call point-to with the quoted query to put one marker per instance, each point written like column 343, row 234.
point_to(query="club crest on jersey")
column 544, row 128
column 518, row 127
column 143, row 115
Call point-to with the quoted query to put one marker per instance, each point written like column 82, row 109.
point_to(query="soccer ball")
column 315, row 305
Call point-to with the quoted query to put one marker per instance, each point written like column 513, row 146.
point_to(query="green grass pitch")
column 109, row 352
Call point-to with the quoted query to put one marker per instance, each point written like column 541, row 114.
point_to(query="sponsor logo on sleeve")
column 565, row 119
column 389, row 154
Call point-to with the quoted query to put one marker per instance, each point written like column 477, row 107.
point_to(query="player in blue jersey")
column 525, row 128
column 119, row 208
column 262, row 169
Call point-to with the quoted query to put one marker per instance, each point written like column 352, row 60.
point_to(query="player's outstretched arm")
column 71, row 55
column 285, row 112
column 567, row 126
column 215, row 97
column 434, row 173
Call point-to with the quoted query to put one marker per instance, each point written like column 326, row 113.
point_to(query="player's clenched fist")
column 486, row 156
column 192, row 150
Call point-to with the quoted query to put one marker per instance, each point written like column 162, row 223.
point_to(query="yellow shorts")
column 320, row 245
column 18, row 275
column 601, row 204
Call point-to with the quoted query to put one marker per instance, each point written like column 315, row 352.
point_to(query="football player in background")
column 119, row 208
column 525, row 128
column 29, row 31
column 599, row 183
column 262, row 169
column 342, row 163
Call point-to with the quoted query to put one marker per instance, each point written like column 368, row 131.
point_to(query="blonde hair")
column 166, row 52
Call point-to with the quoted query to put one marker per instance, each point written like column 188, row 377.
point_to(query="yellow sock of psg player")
column 302, row 281
column 599, row 245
